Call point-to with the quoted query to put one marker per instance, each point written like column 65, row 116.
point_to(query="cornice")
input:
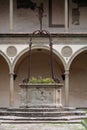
column 61, row 34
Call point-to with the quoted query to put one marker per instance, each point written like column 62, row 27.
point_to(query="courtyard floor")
column 42, row 126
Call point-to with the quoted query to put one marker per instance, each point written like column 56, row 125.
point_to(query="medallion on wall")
column 66, row 51
column 11, row 51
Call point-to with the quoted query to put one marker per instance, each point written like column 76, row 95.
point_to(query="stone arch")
column 78, row 78
column 5, row 67
column 75, row 54
column 37, row 47
column 6, row 59
column 21, row 72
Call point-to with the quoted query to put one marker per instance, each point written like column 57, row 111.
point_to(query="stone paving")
column 42, row 126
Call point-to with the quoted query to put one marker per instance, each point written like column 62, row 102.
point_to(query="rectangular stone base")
column 40, row 95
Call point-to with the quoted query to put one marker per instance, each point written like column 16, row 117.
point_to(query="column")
column 67, row 88
column 66, row 15
column 11, row 89
column 11, row 15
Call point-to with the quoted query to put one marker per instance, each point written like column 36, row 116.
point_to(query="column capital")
column 11, row 73
column 66, row 72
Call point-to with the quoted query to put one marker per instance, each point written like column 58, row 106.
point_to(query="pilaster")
column 67, row 88
column 11, row 15
column 11, row 89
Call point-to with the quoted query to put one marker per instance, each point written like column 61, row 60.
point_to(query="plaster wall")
column 57, row 49
column 78, row 81
column 26, row 20
column 4, row 15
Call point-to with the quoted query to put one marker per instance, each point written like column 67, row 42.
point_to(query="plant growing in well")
column 41, row 80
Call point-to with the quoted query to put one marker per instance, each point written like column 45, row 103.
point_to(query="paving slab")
column 42, row 126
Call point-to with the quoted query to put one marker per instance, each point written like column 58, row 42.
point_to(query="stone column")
column 67, row 88
column 11, row 15
column 66, row 15
column 11, row 90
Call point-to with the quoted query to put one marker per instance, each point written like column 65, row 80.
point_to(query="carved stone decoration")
column 11, row 51
column 40, row 95
column 66, row 51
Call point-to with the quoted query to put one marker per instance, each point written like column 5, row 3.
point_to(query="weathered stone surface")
column 57, row 39
column 42, row 126
column 40, row 95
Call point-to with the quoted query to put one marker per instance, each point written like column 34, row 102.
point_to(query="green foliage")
column 41, row 80
column 84, row 122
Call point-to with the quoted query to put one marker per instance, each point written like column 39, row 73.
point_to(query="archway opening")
column 78, row 81
column 40, row 66
column 4, row 82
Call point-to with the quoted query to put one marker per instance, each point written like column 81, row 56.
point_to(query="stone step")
column 37, row 115
column 42, row 118
column 36, row 121
column 41, row 114
column 38, row 109
column 33, row 109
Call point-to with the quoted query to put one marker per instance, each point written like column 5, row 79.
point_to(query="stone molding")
column 62, row 38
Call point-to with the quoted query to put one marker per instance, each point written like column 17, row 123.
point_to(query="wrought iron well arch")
column 41, row 32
